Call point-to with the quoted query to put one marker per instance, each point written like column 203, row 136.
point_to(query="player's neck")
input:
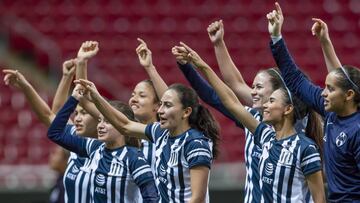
column 115, row 144
column 284, row 129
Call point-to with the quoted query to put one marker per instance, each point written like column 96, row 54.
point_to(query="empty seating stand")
column 162, row 24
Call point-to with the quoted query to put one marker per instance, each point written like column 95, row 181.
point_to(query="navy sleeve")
column 295, row 80
column 205, row 91
column 149, row 192
column 57, row 131
column 198, row 153
column 310, row 160
column 263, row 133
column 140, row 169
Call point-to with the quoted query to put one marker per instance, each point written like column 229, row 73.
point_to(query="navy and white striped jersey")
column 175, row 156
column 284, row 164
column 252, row 158
column 75, row 186
column 148, row 149
column 115, row 174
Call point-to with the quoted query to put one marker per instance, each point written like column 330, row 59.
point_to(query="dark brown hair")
column 345, row 84
column 127, row 111
column 200, row 117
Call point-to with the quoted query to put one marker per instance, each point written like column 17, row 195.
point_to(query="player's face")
column 275, row 108
column 85, row 124
column 171, row 111
column 142, row 102
column 261, row 90
column 334, row 96
column 106, row 132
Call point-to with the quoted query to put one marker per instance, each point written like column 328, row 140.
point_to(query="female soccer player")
column 117, row 171
column 186, row 140
column 265, row 82
column 84, row 124
column 338, row 103
column 145, row 101
column 290, row 165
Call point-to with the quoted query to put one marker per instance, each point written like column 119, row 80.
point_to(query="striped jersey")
column 109, row 175
column 74, row 185
column 284, row 164
column 252, row 152
column 341, row 134
column 252, row 158
column 115, row 175
column 175, row 156
column 148, row 149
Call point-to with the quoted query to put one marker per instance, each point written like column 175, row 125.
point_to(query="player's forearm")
column 159, row 83
column 331, row 60
column 81, row 69
column 39, row 106
column 62, row 92
column 231, row 74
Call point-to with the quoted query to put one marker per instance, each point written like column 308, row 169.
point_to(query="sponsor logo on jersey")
column 267, row 180
column 162, row 170
column 341, row 139
column 100, row 179
column 100, row 190
column 256, row 154
column 75, row 169
column 71, row 176
column 269, row 169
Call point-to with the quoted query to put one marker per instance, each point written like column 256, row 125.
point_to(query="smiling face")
column 275, row 109
column 143, row 102
column 171, row 111
column 106, row 132
column 85, row 124
column 261, row 89
column 334, row 96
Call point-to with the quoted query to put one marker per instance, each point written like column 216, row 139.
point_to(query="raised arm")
column 115, row 117
column 145, row 59
column 62, row 91
column 229, row 71
column 226, row 95
column 295, row 80
column 87, row 50
column 203, row 88
column 39, row 106
column 61, row 134
column 321, row 31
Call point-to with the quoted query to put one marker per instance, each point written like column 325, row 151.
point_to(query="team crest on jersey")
column 269, row 169
column 341, row 139
column 75, row 169
column 100, row 179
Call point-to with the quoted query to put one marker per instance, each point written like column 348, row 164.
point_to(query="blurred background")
column 36, row 36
